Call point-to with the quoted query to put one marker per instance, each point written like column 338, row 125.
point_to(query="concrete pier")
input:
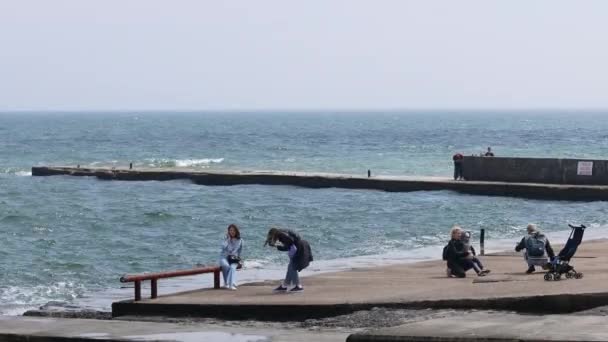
column 329, row 180
column 37, row 329
column 416, row 285
column 495, row 327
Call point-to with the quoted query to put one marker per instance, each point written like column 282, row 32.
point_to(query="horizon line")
column 317, row 110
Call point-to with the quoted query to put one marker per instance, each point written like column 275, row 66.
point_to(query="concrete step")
column 494, row 327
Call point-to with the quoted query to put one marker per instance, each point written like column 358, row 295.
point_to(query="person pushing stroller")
column 537, row 248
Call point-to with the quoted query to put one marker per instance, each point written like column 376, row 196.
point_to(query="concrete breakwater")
column 420, row 285
column 329, row 180
column 536, row 170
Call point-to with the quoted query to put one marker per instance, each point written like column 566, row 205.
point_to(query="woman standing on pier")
column 230, row 256
column 299, row 253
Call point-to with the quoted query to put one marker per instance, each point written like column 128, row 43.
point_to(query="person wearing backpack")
column 299, row 252
column 537, row 248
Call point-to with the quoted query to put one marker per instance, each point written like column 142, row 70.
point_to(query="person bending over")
column 299, row 254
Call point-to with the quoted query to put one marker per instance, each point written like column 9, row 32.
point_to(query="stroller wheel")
column 578, row 275
column 557, row 276
column 569, row 275
column 548, row 276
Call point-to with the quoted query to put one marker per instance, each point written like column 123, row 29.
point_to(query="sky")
column 302, row 55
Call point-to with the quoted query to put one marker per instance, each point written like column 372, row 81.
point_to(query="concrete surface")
column 534, row 170
column 31, row 329
column 416, row 285
column 329, row 180
column 494, row 327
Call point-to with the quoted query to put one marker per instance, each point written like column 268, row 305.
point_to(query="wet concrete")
column 330, row 180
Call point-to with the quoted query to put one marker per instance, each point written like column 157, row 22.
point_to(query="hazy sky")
column 245, row 55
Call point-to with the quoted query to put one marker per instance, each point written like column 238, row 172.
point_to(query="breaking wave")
column 16, row 171
column 163, row 162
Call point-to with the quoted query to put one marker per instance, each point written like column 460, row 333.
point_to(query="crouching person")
column 458, row 258
column 537, row 248
column 299, row 254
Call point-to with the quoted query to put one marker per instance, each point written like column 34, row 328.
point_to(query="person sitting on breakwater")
column 457, row 257
column 230, row 256
column 535, row 244
column 299, row 253
column 489, row 153
column 465, row 237
column 458, row 159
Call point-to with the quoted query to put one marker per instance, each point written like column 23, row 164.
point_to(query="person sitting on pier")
column 535, row 244
column 457, row 257
column 230, row 256
column 465, row 237
column 489, row 153
column 299, row 253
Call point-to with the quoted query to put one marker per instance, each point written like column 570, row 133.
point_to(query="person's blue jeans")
column 292, row 276
column 228, row 272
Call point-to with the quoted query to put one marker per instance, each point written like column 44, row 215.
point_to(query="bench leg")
column 137, row 290
column 153, row 288
column 216, row 279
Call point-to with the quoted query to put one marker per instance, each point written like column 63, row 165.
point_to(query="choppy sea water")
column 67, row 240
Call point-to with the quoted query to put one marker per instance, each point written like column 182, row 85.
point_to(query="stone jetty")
column 405, row 286
column 331, row 180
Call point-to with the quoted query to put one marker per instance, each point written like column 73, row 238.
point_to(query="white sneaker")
column 232, row 288
column 448, row 272
column 226, row 287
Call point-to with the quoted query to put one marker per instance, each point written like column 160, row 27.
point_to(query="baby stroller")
column 561, row 263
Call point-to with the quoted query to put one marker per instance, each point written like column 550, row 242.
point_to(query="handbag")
column 233, row 259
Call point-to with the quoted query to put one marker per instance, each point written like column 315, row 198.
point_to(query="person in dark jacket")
column 458, row 159
column 457, row 255
column 489, row 153
column 299, row 253
column 537, row 248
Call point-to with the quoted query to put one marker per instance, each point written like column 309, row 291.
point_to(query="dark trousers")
column 460, row 267
column 457, row 171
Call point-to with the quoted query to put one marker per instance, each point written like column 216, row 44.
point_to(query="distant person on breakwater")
column 458, row 159
column 230, row 256
column 535, row 244
column 299, row 253
column 489, row 153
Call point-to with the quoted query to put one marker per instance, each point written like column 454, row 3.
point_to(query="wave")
column 16, row 171
column 14, row 300
column 164, row 162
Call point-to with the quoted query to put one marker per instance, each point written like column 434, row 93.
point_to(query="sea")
column 65, row 241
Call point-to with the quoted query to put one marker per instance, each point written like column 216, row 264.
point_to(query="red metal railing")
column 153, row 277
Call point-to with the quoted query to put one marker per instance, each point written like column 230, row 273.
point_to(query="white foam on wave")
column 166, row 162
column 16, row 171
column 197, row 162
column 15, row 300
